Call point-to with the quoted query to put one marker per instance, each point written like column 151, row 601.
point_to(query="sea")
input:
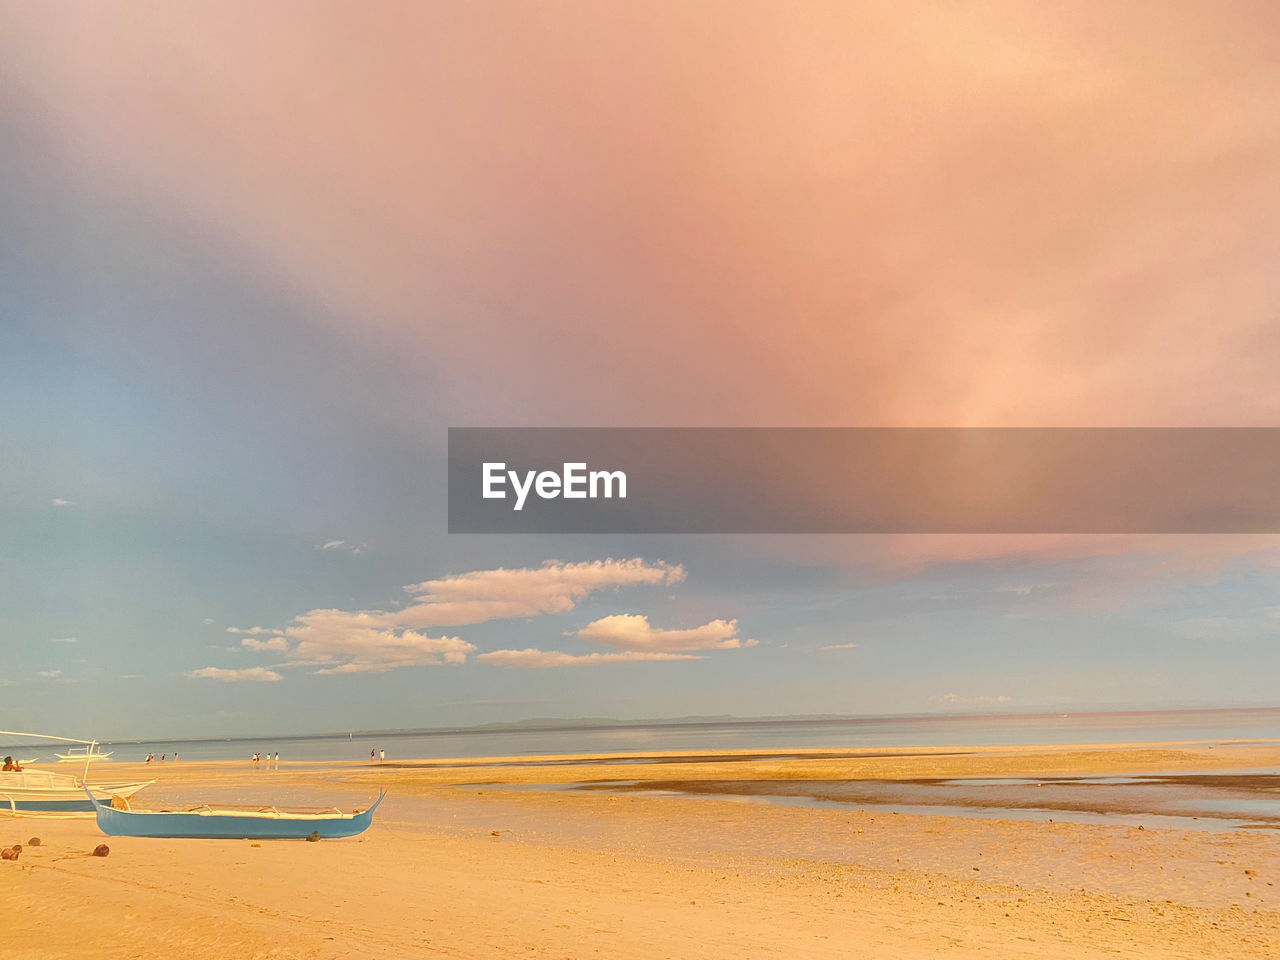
column 717, row 734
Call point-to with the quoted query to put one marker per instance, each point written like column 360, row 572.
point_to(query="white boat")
column 82, row 755
column 42, row 791
column 25, row 791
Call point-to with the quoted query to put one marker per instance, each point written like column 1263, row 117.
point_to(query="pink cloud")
column 894, row 219
column 1032, row 218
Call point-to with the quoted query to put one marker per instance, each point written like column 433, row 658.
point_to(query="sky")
column 256, row 260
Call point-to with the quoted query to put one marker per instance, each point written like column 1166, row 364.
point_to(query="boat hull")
column 216, row 825
column 46, row 805
column 31, row 791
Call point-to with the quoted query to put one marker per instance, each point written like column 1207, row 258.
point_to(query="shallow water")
column 729, row 735
column 1209, row 801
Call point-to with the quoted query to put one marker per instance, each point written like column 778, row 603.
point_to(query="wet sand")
column 458, row 865
column 1200, row 801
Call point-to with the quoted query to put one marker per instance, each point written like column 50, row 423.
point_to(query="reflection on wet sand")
column 655, row 758
column 1210, row 801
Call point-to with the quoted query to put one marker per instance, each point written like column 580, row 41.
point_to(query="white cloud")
column 337, row 647
column 536, row 659
column 529, row 592
column 276, row 643
column 208, row 621
column 629, row 631
column 65, row 640
column 839, row 646
column 131, row 676
column 337, row 642
column 357, row 548
column 373, row 641
column 60, row 502
column 251, row 674
column 49, row 674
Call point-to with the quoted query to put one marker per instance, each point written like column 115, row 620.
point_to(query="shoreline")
column 710, row 755
column 1199, row 787
column 469, row 870
column 562, row 725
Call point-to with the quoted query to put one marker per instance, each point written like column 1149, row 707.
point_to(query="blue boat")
column 231, row 823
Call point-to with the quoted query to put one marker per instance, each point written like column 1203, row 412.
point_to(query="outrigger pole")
column 49, row 736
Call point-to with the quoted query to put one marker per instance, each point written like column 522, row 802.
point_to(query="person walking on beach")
column 382, row 756
column 372, row 756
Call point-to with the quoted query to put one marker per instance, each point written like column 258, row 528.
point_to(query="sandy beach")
column 485, row 858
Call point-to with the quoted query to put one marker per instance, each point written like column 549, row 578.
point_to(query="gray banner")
column 864, row 480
